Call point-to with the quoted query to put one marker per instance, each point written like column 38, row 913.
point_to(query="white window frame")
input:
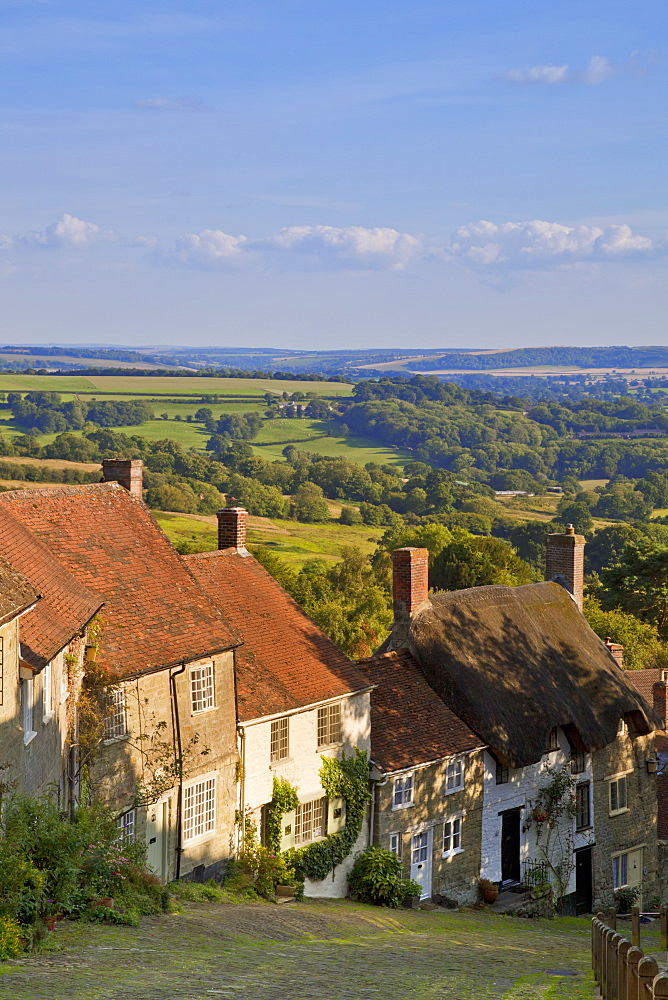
column 279, row 740
column 616, row 781
column 116, row 722
column 310, row 821
column 330, row 729
column 403, row 786
column 47, row 692
column 579, row 789
column 452, row 832
column 199, row 809
column 28, row 709
column 396, row 844
column 454, row 775
column 202, row 688
column 125, row 824
column 64, row 678
column 620, row 870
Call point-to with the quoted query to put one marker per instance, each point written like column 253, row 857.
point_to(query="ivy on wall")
column 284, row 799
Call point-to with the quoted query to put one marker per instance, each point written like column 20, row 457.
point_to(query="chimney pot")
column 232, row 527
column 616, row 650
column 127, row 472
column 565, row 561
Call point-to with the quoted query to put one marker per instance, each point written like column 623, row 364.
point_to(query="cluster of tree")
column 46, row 413
column 622, row 413
column 528, row 357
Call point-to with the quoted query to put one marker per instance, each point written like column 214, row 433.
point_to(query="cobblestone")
column 324, row 950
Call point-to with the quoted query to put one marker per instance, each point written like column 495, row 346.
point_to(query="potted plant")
column 488, row 890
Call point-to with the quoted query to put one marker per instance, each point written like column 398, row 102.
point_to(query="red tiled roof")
column 154, row 612
column 286, row 662
column 643, row 680
column 66, row 606
column 410, row 724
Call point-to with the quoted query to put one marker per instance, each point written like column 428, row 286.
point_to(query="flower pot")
column 489, row 895
column 411, row 902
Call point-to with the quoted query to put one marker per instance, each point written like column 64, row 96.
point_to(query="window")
column 47, row 692
column 552, row 741
column 201, row 687
column 115, row 724
column 199, row 808
column 64, row 680
column 620, row 871
column 125, row 825
column 403, row 791
column 578, row 762
column 502, row 774
column 454, row 777
column 27, row 710
column 329, row 725
column 280, row 744
column 452, row 835
column 310, row 821
column 622, row 728
column 395, row 844
column 582, row 806
column 420, row 847
column 618, row 794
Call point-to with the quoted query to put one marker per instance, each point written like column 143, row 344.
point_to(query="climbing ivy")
column 284, row 799
column 347, row 778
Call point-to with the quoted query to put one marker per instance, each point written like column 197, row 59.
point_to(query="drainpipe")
column 178, row 750
column 242, row 791
column 372, row 811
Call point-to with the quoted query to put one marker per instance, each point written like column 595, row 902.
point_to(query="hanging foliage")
column 284, row 799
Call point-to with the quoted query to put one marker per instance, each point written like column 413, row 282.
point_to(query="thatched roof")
column 513, row 662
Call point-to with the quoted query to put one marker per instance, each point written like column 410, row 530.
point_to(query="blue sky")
column 333, row 174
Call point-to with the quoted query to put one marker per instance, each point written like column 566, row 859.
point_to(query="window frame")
column 279, row 740
column 305, row 822
column 502, row 773
column 616, row 781
column 552, row 745
column 209, row 806
column 28, row 709
column 47, row 693
column 407, row 784
column 397, row 848
column 578, row 762
column 583, row 788
column 455, row 822
column 620, row 870
column 329, row 723
column 126, row 825
column 457, row 764
column 202, row 692
column 117, row 714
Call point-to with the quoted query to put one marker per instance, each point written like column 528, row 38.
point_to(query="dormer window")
column 552, row 740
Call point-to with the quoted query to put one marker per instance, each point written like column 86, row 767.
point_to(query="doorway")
column 510, row 845
column 421, row 861
column 583, row 882
column 157, row 830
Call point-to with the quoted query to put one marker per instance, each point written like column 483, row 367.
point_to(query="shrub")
column 376, row 877
column 267, row 870
column 10, row 938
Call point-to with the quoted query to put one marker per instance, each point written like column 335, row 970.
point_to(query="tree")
column 576, row 513
column 639, row 583
column 350, row 516
column 642, row 647
column 476, row 562
column 309, row 505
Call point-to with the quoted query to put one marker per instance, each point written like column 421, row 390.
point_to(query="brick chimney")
column 232, row 526
column 659, row 695
column 565, row 561
column 410, row 587
column 616, row 651
column 127, row 472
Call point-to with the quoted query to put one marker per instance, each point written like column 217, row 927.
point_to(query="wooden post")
column 615, row 942
column 664, row 927
column 660, row 986
column 635, row 926
column 622, row 986
column 595, row 943
column 611, row 918
column 647, row 970
column 633, row 956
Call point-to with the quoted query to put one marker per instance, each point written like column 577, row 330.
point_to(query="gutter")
column 176, row 736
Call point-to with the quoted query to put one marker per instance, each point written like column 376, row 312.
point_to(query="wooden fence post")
column 635, row 926
column 633, row 956
column 664, row 927
column 615, row 942
column 611, row 918
column 660, row 986
column 622, row 986
column 610, row 977
column 596, row 948
column 647, row 970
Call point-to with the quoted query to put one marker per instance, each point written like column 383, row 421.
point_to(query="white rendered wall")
column 521, row 790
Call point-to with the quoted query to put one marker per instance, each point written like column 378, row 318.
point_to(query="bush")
column 377, row 877
column 265, row 869
column 10, row 938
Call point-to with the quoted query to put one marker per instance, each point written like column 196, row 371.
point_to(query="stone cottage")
column 299, row 698
column 521, row 668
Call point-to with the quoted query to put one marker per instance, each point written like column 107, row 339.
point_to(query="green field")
column 138, row 385
column 311, row 435
column 294, row 542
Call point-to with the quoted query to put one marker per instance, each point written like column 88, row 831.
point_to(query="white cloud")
column 68, row 233
column 172, row 104
column 537, row 74
column 5, row 241
column 302, row 247
column 598, row 70
column 539, row 244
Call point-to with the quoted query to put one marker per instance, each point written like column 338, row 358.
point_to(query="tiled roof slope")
column 409, row 722
column 154, row 613
column 643, row 681
column 65, row 606
column 16, row 593
column 286, row 662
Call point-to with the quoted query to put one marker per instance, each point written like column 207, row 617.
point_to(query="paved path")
column 323, row 951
